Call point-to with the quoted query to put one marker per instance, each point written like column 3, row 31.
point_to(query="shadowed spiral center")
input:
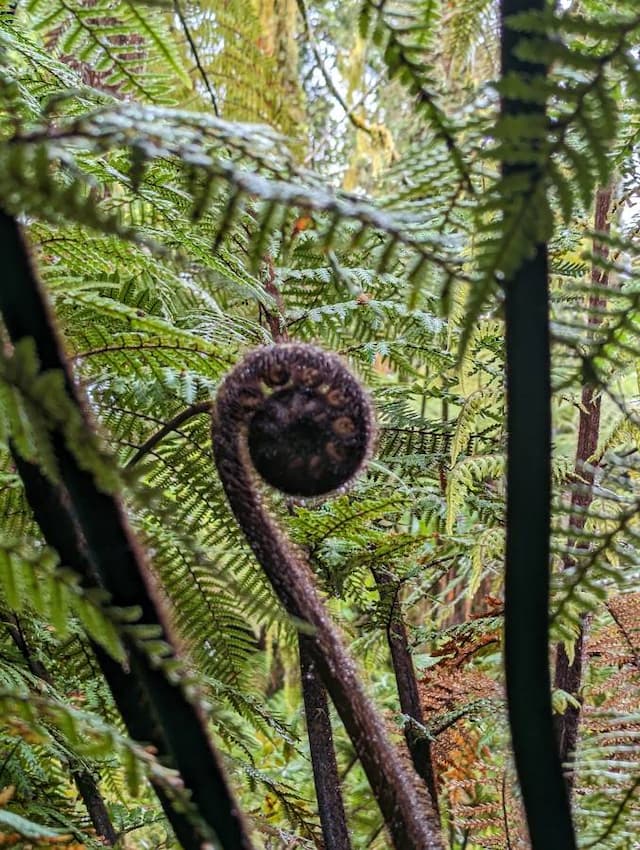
column 306, row 441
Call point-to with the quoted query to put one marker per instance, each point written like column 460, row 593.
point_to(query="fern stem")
column 285, row 437
column 528, row 364
column 407, row 685
column 350, row 112
column 333, row 819
column 196, row 57
column 568, row 673
column 172, row 425
column 112, row 549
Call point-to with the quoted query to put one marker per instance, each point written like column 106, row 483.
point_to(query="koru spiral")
column 308, row 422
column 296, row 415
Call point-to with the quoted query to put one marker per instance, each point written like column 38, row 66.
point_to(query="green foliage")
column 171, row 234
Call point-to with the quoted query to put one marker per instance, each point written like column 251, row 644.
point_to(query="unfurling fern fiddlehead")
column 294, row 414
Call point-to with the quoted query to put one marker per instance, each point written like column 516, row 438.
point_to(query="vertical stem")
column 528, row 363
column 568, row 674
column 418, row 744
column 326, row 780
column 95, row 806
column 527, row 560
column 333, row 819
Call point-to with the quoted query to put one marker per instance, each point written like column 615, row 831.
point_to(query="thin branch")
column 172, row 425
column 330, row 131
column 375, row 834
column 325, row 767
column 196, row 56
column 357, row 122
column 418, row 743
column 616, row 817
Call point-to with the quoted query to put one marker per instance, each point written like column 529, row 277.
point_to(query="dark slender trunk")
column 89, row 529
column 569, row 673
column 418, row 743
column 88, row 790
column 528, row 366
column 84, row 781
column 333, row 819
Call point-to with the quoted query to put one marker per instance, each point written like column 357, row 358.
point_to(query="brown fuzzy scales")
column 313, row 447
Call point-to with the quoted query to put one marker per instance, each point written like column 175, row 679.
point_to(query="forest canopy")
column 384, row 254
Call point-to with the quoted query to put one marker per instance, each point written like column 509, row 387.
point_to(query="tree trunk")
column 528, row 366
column 333, row 819
column 568, row 674
column 417, row 742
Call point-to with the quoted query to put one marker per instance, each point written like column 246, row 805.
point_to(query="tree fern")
column 171, row 232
